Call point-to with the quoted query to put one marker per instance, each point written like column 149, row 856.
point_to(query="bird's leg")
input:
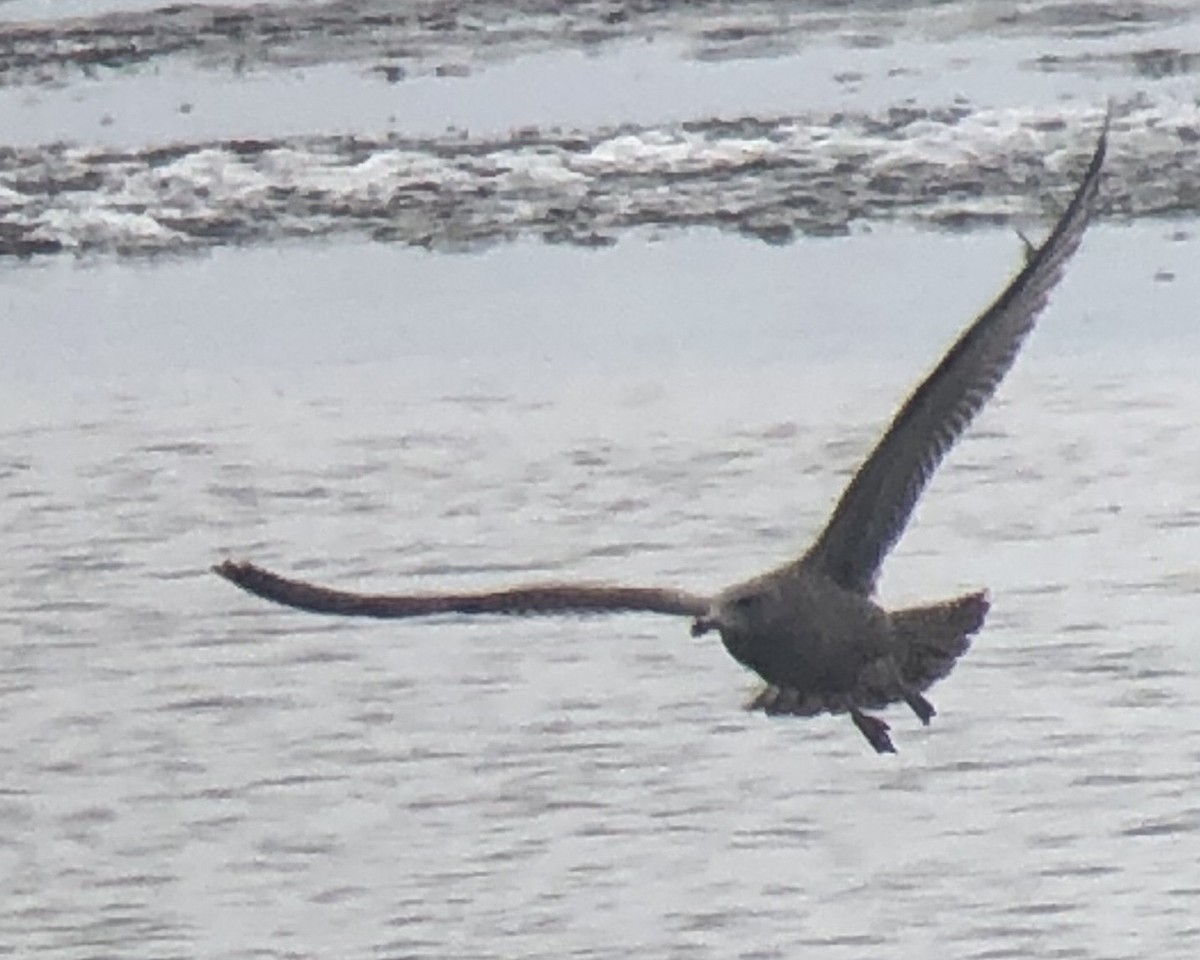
column 920, row 706
column 917, row 703
column 874, row 729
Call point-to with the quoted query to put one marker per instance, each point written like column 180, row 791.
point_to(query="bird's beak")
column 701, row 626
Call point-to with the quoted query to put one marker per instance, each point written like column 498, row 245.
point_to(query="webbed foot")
column 874, row 729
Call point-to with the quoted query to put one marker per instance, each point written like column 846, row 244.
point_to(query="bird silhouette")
column 811, row 628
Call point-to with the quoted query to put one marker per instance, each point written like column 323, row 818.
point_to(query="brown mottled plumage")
column 810, row 628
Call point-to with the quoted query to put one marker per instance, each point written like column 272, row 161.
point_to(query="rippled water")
column 192, row 773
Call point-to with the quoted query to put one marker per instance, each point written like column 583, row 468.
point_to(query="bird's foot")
column 920, row 706
column 874, row 729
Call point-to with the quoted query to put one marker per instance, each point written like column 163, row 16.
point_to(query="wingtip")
column 1110, row 107
column 1098, row 154
column 231, row 570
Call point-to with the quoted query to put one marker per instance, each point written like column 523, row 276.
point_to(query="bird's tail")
column 936, row 636
column 932, row 639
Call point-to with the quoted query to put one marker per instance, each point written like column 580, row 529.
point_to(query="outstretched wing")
column 535, row 599
column 875, row 508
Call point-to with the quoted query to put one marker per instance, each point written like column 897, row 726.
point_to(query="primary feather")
column 547, row 598
column 875, row 508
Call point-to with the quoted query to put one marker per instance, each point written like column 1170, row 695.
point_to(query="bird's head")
column 733, row 613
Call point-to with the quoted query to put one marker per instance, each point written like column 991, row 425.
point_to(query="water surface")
column 195, row 773
column 239, row 333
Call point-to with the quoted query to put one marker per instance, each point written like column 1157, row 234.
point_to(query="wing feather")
column 550, row 598
column 876, row 506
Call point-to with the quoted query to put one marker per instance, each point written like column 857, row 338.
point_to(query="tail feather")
column 936, row 636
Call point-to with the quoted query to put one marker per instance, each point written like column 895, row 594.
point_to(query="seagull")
column 811, row 628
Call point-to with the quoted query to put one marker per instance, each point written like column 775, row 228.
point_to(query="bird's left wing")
column 876, row 506
column 534, row 599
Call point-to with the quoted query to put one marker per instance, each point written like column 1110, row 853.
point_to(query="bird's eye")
column 745, row 602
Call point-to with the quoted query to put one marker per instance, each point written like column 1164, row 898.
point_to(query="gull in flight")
column 811, row 628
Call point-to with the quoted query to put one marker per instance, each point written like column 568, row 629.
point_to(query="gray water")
column 190, row 772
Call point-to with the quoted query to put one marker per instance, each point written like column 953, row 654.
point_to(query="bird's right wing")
column 876, row 506
column 550, row 598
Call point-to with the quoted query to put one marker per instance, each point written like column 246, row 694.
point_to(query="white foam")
column 506, row 187
column 104, row 227
column 543, row 168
